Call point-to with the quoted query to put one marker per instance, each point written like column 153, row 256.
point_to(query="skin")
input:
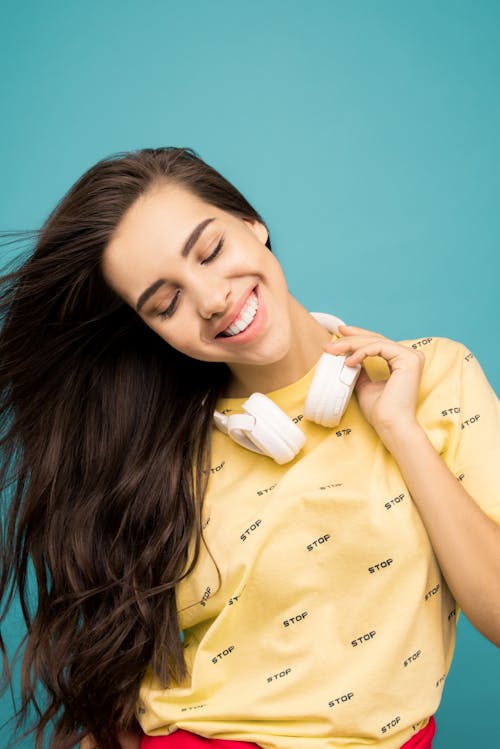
column 146, row 246
column 465, row 540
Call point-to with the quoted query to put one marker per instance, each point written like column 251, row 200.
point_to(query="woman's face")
column 201, row 278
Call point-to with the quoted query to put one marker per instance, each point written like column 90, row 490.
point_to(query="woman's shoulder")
column 441, row 354
column 435, row 346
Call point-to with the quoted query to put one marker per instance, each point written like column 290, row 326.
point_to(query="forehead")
column 154, row 229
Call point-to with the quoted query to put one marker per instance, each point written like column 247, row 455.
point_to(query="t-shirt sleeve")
column 473, row 446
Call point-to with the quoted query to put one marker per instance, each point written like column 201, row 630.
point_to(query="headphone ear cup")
column 274, row 433
column 264, row 428
column 330, row 390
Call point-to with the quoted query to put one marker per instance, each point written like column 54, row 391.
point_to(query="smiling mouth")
column 244, row 319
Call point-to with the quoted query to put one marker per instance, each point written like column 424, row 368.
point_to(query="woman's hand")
column 465, row 540
column 388, row 405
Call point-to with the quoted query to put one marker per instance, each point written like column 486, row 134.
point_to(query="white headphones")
column 264, row 428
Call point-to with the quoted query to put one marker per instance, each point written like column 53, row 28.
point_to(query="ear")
column 258, row 229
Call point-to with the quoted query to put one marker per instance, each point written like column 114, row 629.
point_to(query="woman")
column 316, row 595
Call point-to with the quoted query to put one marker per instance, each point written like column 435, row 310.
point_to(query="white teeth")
column 245, row 317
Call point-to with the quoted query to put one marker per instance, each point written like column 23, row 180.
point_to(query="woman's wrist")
column 402, row 436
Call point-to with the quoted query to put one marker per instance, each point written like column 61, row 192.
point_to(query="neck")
column 306, row 346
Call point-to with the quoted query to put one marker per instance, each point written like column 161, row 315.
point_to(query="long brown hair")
column 104, row 436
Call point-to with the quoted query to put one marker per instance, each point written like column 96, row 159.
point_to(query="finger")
column 354, row 330
column 363, row 380
column 343, row 345
column 397, row 356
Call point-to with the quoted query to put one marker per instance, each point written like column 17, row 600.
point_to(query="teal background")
column 366, row 134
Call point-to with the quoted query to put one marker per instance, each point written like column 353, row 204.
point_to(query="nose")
column 213, row 297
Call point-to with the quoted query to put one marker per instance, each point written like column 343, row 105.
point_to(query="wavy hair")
column 105, row 447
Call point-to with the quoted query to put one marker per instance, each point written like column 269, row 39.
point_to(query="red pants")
column 185, row 740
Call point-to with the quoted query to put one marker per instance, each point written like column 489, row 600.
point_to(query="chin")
column 276, row 354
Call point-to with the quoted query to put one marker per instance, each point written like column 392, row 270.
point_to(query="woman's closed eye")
column 169, row 311
column 214, row 254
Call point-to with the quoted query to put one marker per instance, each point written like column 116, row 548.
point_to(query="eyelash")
column 171, row 307
column 214, row 253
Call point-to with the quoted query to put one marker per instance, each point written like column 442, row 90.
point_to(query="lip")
column 235, row 312
column 253, row 330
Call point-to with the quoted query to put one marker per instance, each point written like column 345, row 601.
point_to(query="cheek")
column 177, row 336
column 274, row 270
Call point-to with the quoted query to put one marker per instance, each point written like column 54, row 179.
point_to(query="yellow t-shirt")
column 330, row 624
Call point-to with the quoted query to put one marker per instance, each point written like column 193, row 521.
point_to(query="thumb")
column 363, row 380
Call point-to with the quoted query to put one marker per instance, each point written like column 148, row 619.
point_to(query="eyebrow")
column 188, row 245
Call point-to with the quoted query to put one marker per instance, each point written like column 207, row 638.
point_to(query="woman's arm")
column 465, row 540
